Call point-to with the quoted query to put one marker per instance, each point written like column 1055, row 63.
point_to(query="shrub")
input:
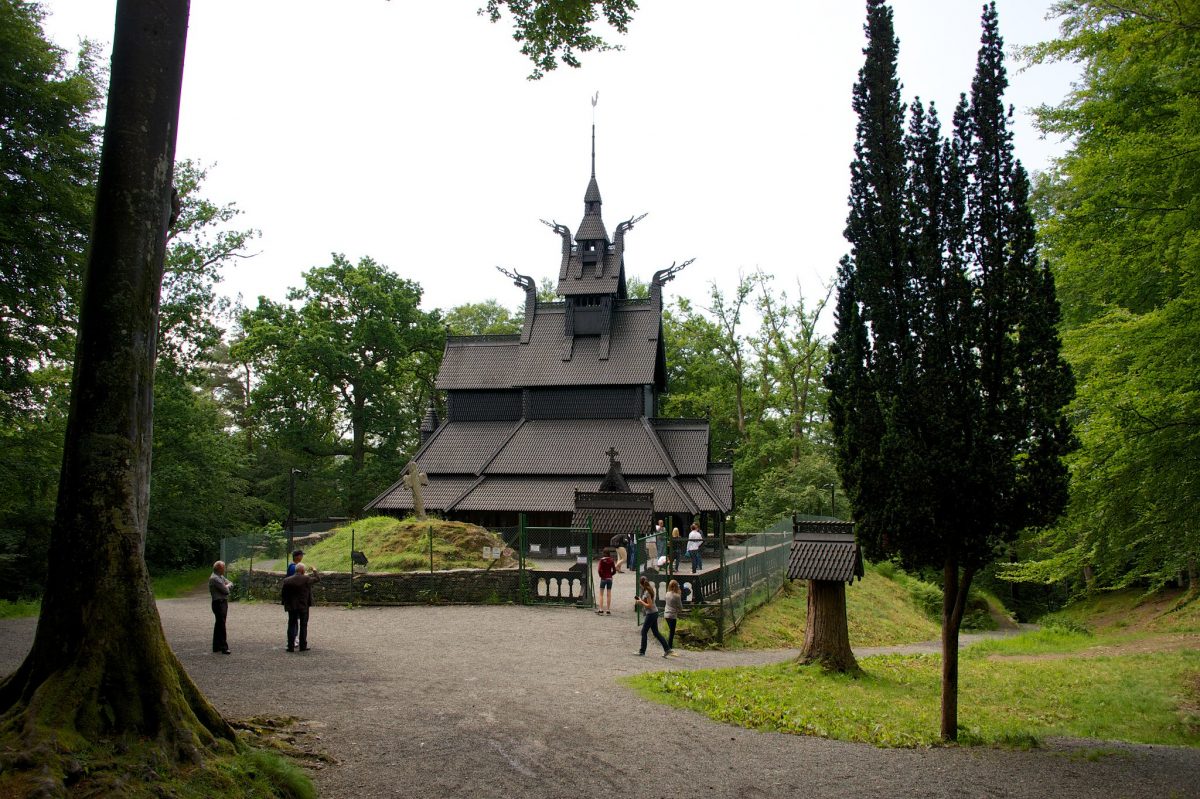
column 886, row 569
column 1060, row 621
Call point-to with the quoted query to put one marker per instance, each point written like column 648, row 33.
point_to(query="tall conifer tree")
column 947, row 386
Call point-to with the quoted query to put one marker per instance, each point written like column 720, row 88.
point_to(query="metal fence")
column 556, row 564
column 735, row 575
column 553, row 565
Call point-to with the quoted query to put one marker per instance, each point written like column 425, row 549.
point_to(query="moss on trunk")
column 100, row 676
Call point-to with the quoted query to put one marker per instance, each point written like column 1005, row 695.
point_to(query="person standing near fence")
column 296, row 595
column 617, row 542
column 695, row 541
column 673, row 606
column 297, row 556
column 606, row 568
column 650, row 622
column 218, row 589
column 676, row 548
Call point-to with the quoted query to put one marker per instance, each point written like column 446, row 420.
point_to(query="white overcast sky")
column 407, row 131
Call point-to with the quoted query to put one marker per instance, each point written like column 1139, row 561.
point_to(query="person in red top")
column 606, row 568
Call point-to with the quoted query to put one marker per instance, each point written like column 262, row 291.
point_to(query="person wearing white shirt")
column 695, row 541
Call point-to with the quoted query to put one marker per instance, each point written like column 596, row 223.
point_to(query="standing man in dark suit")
column 218, row 589
column 297, row 599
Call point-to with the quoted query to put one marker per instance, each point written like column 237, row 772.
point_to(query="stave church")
column 536, row 420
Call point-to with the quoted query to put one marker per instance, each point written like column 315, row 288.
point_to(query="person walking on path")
column 674, row 606
column 297, row 556
column 695, row 541
column 218, row 588
column 296, row 594
column 650, row 622
column 606, row 568
column 676, row 548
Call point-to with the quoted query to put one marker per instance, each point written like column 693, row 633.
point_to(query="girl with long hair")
column 650, row 622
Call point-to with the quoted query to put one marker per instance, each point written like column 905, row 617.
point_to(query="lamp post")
column 832, row 498
column 291, row 525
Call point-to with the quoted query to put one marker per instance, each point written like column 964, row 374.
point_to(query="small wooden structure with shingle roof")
column 530, row 415
column 824, row 549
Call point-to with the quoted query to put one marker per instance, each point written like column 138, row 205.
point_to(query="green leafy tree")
column 48, row 160
column 481, row 318
column 1119, row 216
column 351, row 363
column 552, row 30
column 948, row 391
column 200, row 243
column 100, row 671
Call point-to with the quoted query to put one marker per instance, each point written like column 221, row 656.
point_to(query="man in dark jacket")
column 297, row 599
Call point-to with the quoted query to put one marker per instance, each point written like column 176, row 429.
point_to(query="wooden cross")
column 612, row 455
column 414, row 480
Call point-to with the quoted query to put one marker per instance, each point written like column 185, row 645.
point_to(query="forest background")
column 335, row 380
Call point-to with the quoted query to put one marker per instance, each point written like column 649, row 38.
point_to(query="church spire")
column 591, row 229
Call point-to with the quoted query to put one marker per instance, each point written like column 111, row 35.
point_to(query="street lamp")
column 291, row 524
column 832, row 498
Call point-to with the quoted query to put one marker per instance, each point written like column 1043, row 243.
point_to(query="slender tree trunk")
column 826, row 633
column 1192, row 588
column 954, row 603
column 100, row 669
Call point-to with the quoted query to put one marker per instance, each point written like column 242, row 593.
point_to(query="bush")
column 886, row 569
column 927, row 597
column 1060, row 621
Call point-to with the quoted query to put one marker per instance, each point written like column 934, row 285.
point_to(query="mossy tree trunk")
column 826, row 632
column 100, row 669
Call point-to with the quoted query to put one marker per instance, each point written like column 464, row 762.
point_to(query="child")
column 606, row 569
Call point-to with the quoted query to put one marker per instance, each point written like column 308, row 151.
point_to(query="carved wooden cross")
column 414, row 480
column 612, row 455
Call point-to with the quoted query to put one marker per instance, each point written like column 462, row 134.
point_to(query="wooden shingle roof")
column 537, row 493
column 494, row 362
column 824, row 556
column 576, row 446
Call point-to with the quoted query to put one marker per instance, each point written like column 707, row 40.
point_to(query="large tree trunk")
column 826, row 634
column 100, row 668
column 954, row 603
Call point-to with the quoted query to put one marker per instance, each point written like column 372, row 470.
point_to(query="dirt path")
column 513, row 702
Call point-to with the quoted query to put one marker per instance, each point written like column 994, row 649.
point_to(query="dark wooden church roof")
column 630, row 356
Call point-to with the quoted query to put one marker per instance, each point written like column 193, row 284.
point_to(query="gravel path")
column 514, row 701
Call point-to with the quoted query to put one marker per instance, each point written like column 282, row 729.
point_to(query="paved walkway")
column 507, row 701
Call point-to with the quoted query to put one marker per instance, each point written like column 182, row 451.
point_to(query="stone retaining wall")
column 460, row 586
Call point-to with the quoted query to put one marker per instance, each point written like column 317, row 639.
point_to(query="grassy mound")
column 1131, row 610
column 399, row 545
column 880, row 611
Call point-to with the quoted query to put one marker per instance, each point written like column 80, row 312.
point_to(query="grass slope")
column 1137, row 679
column 392, row 544
column 879, row 612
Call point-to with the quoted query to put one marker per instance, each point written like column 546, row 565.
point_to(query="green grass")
column 19, row 608
column 392, row 545
column 879, row 612
column 895, row 702
column 143, row 771
column 171, row 585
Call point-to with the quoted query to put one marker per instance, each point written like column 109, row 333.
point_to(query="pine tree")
column 872, row 292
column 947, row 386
